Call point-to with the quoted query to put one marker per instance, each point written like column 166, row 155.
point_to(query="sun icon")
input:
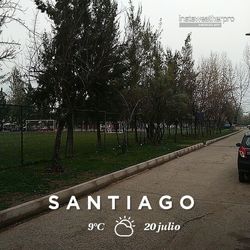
column 124, row 227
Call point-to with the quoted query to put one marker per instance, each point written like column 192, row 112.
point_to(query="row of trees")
column 86, row 62
column 8, row 50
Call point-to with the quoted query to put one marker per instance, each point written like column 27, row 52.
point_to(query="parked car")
column 244, row 157
column 227, row 125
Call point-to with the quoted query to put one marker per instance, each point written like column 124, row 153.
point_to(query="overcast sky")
column 230, row 38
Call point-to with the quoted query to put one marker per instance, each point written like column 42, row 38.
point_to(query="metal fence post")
column 105, row 122
column 21, row 131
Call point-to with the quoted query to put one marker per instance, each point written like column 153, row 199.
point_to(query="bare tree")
column 246, row 57
column 241, row 82
column 8, row 11
column 215, row 91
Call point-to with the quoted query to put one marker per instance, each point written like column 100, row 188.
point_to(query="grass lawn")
column 20, row 184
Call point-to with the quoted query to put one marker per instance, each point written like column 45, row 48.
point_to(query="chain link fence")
column 27, row 135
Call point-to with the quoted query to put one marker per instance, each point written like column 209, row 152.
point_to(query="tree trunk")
column 195, row 127
column 202, row 128
column 98, row 133
column 175, row 134
column 151, row 132
column 124, row 143
column 69, row 152
column 136, row 132
column 181, row 128
column 127, row 134
column 191, row 128
column 56, row 162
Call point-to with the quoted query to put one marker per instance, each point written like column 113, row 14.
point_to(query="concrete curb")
column 25, row 210
column 221, row 138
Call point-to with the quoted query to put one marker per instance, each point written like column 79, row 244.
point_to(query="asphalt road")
column 220, row 218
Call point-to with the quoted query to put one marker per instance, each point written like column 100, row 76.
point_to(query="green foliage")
column 18, row 88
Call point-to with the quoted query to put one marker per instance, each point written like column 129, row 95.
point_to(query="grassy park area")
column 19, row 184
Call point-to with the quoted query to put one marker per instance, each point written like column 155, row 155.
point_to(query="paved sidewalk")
column 219, row 220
